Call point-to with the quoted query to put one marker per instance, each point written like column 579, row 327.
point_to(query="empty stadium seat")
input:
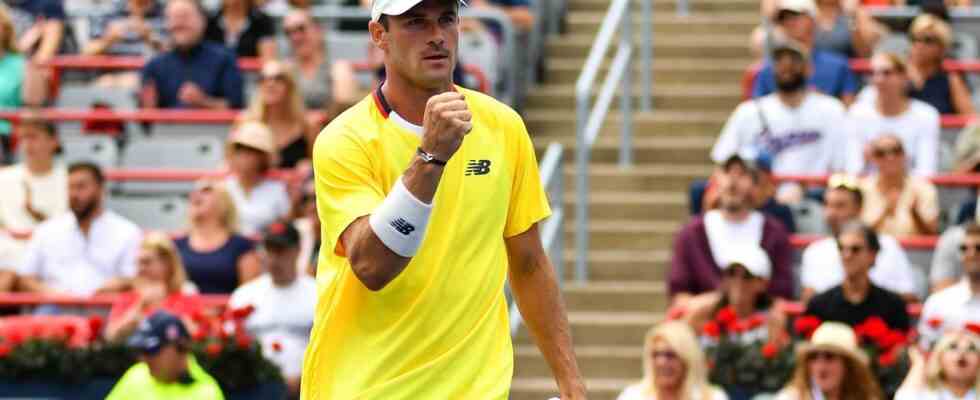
column 200, row 152
column 100, row 150
column 188, row 130
column 168, row 213
column 84, row 97
column 352, row 47
column 480, row 48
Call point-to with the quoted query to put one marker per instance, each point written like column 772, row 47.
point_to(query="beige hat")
column 255, row 135
column 837, row 338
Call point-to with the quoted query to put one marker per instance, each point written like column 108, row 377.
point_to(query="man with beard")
column 89, row 250
column 699, row 247
column 954, row 307
column 802, row 131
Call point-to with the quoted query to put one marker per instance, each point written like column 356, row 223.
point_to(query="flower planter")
column 98, row 389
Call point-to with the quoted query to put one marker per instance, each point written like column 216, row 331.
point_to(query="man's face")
column 84, row 194
column 167, row 364
column 887, row 80
column 281, row 263
column 797, row 26
column 840, row 206
column 736, row 191
column 855, row 254
column 185, row 23
column 421, row 44
column 790, row 70
column 38, row 145
column 970, row 257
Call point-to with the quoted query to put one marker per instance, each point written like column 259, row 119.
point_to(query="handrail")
column 590, row 119
column 551, row 230
column 916, row 242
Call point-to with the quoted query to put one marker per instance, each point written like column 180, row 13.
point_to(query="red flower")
column 769, row 350
column 242, row 313
column 756, row 321
column 5, row 350
column 806, row 325
column 243, row 341
column 973, row 327
column 95, row 324
column 712, row 329
column 888, row 358
column 276, row 347
column 891, row 340
column 213, row 349
column 739, row 327
column 15, row 337
column 199, row 335
column 726, row 317
column 71, row 331
column 935, row 322
column 873, row 328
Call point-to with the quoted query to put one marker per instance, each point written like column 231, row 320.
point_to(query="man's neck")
column 974, row 285
column 856, row 288
column 283, row 281
column 86, row 224
column 249, row 181
column 792, row 99
column 235, row 10
column 736, row 216
column 892, row 106
column 408, row 101
column 39, row 167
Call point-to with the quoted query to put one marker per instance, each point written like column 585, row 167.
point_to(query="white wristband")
column 400, row 221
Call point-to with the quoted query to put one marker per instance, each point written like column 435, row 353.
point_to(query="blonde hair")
column 682, row 340
column 858, row 383
column 161, row 245
column 928, row 23
column 229, row 216
column 257, row 111
column 934, row 367
column 8, row 38
column 895, row 60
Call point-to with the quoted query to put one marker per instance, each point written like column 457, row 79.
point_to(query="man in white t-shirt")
column 33, row 190
column 803, row 131
column 822, row 268
column 284, row 302
column 957, row 305
column 86, row 251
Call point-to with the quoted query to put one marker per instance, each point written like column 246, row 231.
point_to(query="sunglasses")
column 822, row 355
column 969, row 348
column 274, row 77
column 290, row 30
column 926, row 39
column 850, row 249
column 666, row 355
column 964, row 248
column 883, row 152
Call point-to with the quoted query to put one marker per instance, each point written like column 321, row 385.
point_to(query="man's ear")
column 379, row 35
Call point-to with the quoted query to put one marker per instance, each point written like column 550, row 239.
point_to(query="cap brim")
column 399, row 7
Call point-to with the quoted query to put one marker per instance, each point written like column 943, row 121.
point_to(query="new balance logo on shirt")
column 478, row 167
column 402, row 226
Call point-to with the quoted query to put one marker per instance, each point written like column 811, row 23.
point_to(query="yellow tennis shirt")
column 440, row 329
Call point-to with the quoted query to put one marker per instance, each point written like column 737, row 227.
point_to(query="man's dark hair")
column 89, row 167
column 870, row 236
column 383, row 20
column 854, row 192
column 36, row 121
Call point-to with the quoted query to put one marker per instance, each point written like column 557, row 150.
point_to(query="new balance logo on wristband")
column 478, row 167
column 402, row 226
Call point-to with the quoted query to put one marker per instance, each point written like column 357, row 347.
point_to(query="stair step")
column 665, row 207
column 672, row 70
column 605, row 328
column 703, row 45
column 662, row 6
column 666, row 177
column 603, row 362
column 544, row 388
column 647, row 149
column 633, row 234
column 632, row 296
column 619, row 265
column 544, row 123
column 582, row 22
column 665, row 97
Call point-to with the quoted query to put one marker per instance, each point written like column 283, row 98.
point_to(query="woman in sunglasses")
column 674, row 367
column 931, row 40
column 279, row 105
column 832, row 367
column 896, row 203
column 951, row 372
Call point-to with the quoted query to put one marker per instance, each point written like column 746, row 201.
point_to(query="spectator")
column 967, row 150
column 896, row 203
column 131, row 28
column 801, row 130
column 81, row 252
column 845, row 29
column 279, row 106
column 764, row 195
column 37, row 188
column 947, row 269
column 327, row 86
column 216, row 258
column 948, row 92
column 242, row 27
column 954, row 306
column 284, row 302
column 952, row 371
column 830, row 75
column 857, row 298
column 160, row 283
column 166, row 370
column 832, row 366
column 821, row 267
column 307, row 223
column 745, row 277
column 695, row 267
column 674, row 367
column 18, row 85
column 893, row 112
column 40, row 28
column 518, row 11
column 195, row 74
column 259, row 200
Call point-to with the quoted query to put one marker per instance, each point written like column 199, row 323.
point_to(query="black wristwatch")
column 429, row 158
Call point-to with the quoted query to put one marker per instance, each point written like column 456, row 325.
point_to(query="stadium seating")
column 194, row 152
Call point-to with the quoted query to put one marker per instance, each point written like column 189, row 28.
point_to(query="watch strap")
column 429, row 158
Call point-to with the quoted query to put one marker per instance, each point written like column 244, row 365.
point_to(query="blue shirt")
column 214, row 272
column 831, row 76
column 210, row 66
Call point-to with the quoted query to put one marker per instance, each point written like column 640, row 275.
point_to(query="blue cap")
column 158, row 330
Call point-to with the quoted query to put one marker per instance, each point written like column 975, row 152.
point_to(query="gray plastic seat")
column 182, row 131
column 480, row 48
column 167, row 213
column 202, row 152
column 100, row 150
column 85, row 96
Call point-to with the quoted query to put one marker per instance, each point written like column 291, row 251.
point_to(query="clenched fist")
column 445, row 122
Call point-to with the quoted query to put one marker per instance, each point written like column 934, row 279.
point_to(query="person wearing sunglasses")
column 932, row 40
column 326, row 84
column 950, row 372
column 821, row 267
column 959, row 304
column 279, row 105
column 896, row 203
column 674, row 367
column 167, row 370
column 831, row 366
column 857, row 298
column 892, row 111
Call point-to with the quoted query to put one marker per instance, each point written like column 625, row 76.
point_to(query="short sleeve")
column 809, row 278
column 346, row 184
column 528, row 201
column 728, row 142
column 33, row 264
column 945, row 260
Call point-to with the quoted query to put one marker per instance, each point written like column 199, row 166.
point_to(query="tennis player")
column 429, row 197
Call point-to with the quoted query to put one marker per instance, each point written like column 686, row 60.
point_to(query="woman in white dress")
column 674, row 367
column 951, row 372
column 831, row 367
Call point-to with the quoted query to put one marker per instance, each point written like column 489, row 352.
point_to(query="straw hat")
column 836, row 338
column 254, row 135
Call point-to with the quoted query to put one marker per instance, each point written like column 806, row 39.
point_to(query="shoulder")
column 121, row 225
column 306, row 282
column 137, row 376
column 863, row 109
column 273, row 186
column 693, row 226
column 771, row 225
column 241, row 243
column 888, row 295
column 827, row 297
column 918, row 183
column 923, row 109
column 218, row 52
column 54, row 226
column 829, row 59
column 359, row 122
column 247, row 292
column 788, row 393
column 827, row 103
column 819, row 248
column 11, row 173
column 633, row 392
column 487, row 106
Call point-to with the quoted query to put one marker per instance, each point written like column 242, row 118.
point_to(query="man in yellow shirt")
column 429, row 198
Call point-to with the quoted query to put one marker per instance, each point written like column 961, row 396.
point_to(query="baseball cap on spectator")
column 789, row 46
column 749, row 256
column 280, row 235
column 800, row 7
column 761, row 162
column 254, row 135
column 158, row 330
column 395, row 7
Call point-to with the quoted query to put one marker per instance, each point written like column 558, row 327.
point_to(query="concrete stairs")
column 698, row 62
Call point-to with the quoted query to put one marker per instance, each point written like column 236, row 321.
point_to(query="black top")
column 780, row 212
column 832, row 306
column 214, row 272
column 258, row 26
column 290, row 155
column 935, row 91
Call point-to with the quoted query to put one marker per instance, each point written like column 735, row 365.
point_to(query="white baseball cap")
column 750, row 256
column 807, row 7
column 395, row 7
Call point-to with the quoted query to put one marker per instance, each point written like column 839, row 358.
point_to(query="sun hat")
column 836, row 338
column 254, row 135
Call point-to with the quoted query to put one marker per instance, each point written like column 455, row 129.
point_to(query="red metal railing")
column 100, row 300
column 959, row 180
column 908, row 242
